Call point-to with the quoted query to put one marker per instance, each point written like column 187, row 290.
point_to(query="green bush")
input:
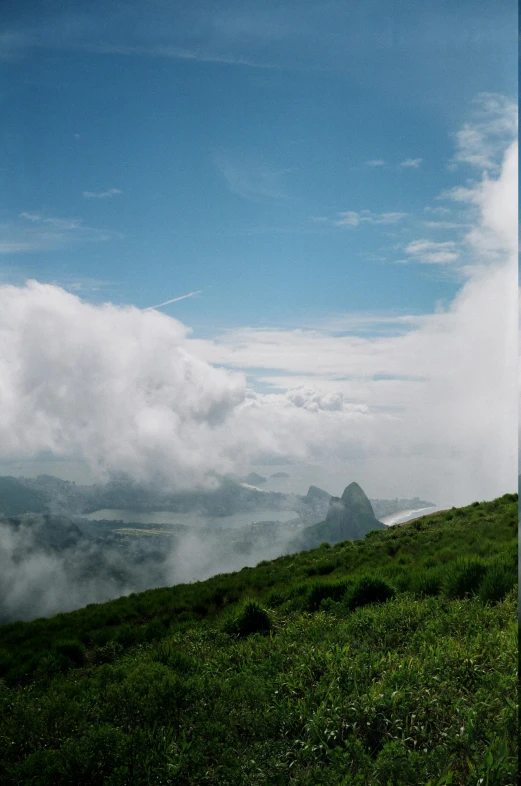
column 251, row 618
column 167, row 654
column 89, row 759
column 427, row 582
column 154, row 630
column 127, row 635
column 369, row 589
column 497, row 583
column 321, row 568
column 330, row 606
column 72, row 650
column 464, row 577
column 326, row 589
column 275, row 599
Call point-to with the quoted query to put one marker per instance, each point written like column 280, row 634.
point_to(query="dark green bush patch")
column 463, row 577
column 325, row 589
column 251, row 618
column 368, row 589
column 499, row 579
column 427, row 582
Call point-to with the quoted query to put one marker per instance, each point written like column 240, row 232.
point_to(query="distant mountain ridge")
column 48, row 494
column 53, row 558
column 349, row 517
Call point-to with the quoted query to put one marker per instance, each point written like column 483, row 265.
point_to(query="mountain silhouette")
column 349, row 517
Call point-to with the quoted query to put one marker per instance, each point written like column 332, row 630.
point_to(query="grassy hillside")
column 386, row 661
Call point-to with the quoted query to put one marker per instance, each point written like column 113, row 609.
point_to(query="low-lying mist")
column 88, row 544
column 48, row 564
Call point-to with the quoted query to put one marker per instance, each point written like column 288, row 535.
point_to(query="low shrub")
column 369, row 589
column 251, row 618
column 72, row 650
column 168, row 655
column 127, row 635
column 275, row 599
column 463, row 577
column 321, row 568
column 331, row 606
column 154, row 630
column 326, row 589
column 497, row 583
column 427, row 582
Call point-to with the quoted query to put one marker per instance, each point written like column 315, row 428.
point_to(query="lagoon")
column 236, row 520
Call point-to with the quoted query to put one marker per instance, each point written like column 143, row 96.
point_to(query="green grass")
column 396, row 665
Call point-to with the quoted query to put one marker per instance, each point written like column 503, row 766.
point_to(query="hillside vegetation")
column 389, row 660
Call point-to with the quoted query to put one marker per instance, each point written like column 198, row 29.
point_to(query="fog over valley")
column 61, row 550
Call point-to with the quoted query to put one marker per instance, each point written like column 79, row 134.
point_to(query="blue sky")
column 149, row 150
column 327, row 193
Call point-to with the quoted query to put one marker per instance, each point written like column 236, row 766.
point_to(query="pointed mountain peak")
column 355, row 497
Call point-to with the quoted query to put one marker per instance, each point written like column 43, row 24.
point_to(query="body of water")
column 407, row 515
column 235, row 521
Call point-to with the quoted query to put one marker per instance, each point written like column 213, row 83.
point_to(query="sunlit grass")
column 395, row 665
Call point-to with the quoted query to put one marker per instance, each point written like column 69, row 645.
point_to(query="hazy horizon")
column 251, row 234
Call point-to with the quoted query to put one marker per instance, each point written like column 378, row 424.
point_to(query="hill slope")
column 386, row 660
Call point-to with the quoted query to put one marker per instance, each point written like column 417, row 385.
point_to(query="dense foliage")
column 386, row 661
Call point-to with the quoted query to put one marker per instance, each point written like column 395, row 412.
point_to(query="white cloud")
column 250, row 177
column 351, row 218
column 116, row 386
column 482, row 141
column 413, row 163
column 67, row 224
column 375, row 162
column 423, row 406
column 496, row 203
column 174, row 52
column 348, row 219
column 30, row 232
column 17, row 247
column 112, row 192
column 446, row 225
column 440, row 392
column 432, row 252
column 438, row 211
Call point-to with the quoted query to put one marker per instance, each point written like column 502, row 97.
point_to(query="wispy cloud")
column 481, row 142
column 438, row 211
column 432, row 252
column 251, row 178
column 351, row 218
column 66, row 224
column 18, row 247
column 375, row 162
column 412, row 163
column 446, row 224
column 112, row 192
column 174, row 52
column 31, row 232
column 173, row 300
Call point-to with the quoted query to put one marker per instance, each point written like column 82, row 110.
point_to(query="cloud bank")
column 415, row 405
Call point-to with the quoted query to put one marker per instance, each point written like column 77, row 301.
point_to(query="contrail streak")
column 174, row 300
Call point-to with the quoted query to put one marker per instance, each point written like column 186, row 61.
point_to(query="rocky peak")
column 351, row 516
